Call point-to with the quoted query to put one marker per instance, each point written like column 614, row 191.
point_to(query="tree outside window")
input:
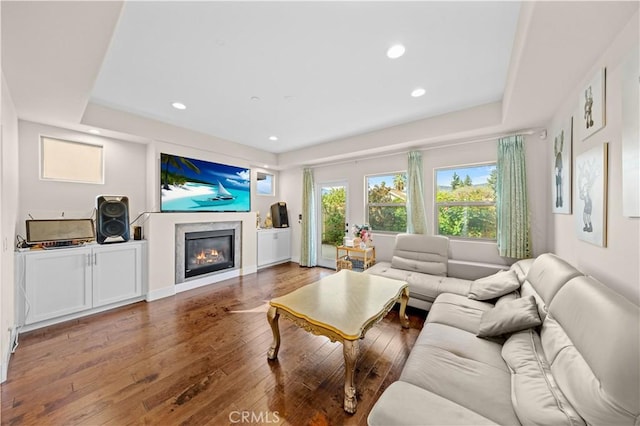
column 387, row 202
column 334, row 201
column 466, row 201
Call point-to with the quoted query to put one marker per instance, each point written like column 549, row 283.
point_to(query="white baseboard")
column 249, row 270
column 6, row 357
column 5, row 365
column 273, row 264
column 160, row 293
column 210, row 279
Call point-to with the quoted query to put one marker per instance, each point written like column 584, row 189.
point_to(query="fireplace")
column 208, row 251
column 195, row 262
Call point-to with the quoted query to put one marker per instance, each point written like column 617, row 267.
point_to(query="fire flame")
column 210, row 256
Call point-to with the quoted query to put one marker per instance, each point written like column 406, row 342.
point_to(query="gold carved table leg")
column 404, row 299
column 351, row 349
column 272, row 317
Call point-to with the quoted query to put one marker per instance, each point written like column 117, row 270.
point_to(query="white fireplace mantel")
column 159, row 231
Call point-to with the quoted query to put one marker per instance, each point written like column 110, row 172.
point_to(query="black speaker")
column 112, row 219
column 279, row 215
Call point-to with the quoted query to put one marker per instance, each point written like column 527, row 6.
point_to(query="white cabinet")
column 117, row 273
column 62, row 282
column 274, row 246
column 57, row 283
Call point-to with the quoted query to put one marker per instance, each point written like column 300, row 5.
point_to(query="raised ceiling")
column 318, row 69
column 304, row 72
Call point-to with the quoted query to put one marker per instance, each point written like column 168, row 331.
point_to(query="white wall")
column 617, row 264
column 160, row 232
column 125, row 174
column 354, row 172
column 8, row 210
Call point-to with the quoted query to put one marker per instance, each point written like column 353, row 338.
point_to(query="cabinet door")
column 57, row 283
column 282, row 245
column 117, row 273
column 265, row 247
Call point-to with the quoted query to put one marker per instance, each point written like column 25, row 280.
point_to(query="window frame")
column 46, row 172
column 367, row 204
column 273, row 183
column 436, row 204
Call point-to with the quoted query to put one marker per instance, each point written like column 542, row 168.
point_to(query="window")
column 70, row 161
column 466, row 201
column 265, row 184
column 387, row 202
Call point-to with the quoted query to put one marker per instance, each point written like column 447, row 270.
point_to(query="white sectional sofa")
column 423, row 262
column 579, row 366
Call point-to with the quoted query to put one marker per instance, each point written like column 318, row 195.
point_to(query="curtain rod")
column 527, row 132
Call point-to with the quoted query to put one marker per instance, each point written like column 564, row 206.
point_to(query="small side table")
column 345, row 257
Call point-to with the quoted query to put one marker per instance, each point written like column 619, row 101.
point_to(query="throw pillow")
column 514, row 315
column 495, row 285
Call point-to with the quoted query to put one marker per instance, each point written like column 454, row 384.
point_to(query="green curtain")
column 514, row 230
column 416, row 214
column 308, row 249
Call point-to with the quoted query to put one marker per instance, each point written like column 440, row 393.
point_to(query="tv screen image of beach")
column 192, row 185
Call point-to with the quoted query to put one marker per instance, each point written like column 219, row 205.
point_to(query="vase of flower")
column 363, row 234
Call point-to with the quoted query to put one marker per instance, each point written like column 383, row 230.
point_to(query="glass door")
column 332, row 206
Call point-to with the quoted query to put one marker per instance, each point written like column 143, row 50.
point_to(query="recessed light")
column 417, row 92
column 395, row 51
column 255, row 98
column 179, row 105
column 266, row 166
column 94, row 131
column 273, row 138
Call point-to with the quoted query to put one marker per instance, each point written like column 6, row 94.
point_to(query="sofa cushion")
column 462, row 343
column 458, row 311
column 591, row 339
column 476, row 385
column 494, row 286
column 419, row 264
column 384, row 269
column 521, row 268
column 404, row 404
column 422, row 286
column 548, row 273
column 421, row 253
column 537, row 400
column 429, row 286
column 508, row 297
column 515, row 315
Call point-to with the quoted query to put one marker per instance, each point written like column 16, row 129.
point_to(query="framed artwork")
column 592, row 105
column 631, row 134
column 561, row 166
column 591, row 191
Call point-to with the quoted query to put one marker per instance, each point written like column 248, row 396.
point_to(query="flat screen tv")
column 191, row 185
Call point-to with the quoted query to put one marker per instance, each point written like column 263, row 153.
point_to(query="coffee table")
column 342, row 307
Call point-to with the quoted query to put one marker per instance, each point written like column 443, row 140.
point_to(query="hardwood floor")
column 199, row 358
